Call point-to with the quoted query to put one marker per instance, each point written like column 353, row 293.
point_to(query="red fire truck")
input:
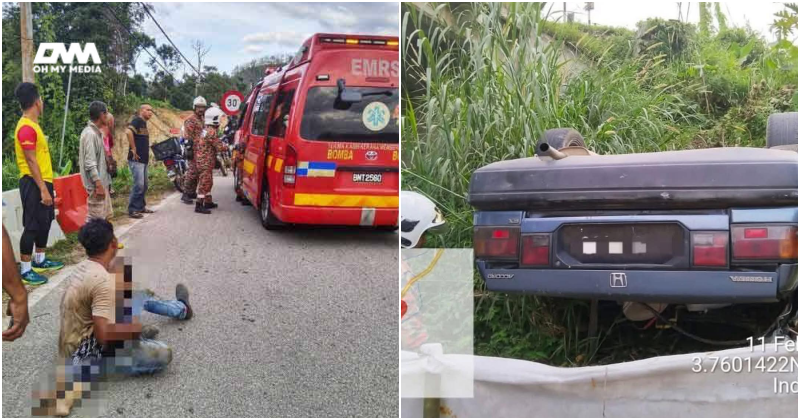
column 319, row 137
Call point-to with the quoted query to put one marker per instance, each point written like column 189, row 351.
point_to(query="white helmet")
column 214, row 105
column 418, row 214
column 213, row 116
column 199, row 101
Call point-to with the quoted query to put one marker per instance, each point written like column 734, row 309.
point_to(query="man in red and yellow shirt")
column 35, row 186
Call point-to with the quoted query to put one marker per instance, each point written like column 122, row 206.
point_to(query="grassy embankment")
column 484, row 88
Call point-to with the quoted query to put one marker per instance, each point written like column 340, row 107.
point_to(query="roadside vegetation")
column 62, row 22
column 116, row 30
column 482, row 81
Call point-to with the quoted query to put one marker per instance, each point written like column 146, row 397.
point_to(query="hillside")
column 163, row 120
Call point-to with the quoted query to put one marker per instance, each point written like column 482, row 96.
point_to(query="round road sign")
column 231, row 102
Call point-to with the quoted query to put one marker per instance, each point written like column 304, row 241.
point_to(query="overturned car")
column 700, row 227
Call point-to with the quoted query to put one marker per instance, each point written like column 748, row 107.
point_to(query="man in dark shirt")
column 138, row 157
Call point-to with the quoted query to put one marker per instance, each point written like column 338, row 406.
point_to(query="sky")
column 759, row 15
column 240, row 32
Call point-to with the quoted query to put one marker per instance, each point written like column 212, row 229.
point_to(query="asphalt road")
column 298, row 323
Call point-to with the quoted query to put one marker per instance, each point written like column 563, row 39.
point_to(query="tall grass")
column 485, row 89
column 481, row 83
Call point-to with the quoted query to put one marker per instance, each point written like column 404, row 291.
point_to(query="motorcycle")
column 223, row 161
column 172, row 155
column 224, row 158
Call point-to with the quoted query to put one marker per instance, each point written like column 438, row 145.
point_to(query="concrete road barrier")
column 12, row 220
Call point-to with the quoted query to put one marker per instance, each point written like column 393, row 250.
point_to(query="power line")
column 170, row 41
column 131, row 33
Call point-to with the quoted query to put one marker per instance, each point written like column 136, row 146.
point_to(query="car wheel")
column 268, row 220
column 782, row 129
column 559, row 138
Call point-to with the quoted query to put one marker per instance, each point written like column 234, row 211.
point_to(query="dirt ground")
column 163, row 120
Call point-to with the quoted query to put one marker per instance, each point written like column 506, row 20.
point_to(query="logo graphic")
column 54, row 57
column 371, row 155
column 374, row 68
column 375, row 116
column 619, row 280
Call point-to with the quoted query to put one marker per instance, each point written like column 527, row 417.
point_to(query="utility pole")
column 589, row 7
column 200, row 48
column 564, row 18
column 26, row 35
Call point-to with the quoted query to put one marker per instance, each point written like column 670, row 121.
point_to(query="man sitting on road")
column 100, row 332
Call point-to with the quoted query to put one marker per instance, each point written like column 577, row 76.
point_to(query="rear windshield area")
column 375, row 119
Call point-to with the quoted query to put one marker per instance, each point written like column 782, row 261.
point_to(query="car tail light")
column 535, row 250
column 290, row 167
column 710, row 249
column 497, row 242
column 764, row 242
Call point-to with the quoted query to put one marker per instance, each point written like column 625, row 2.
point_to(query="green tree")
column 785, row 23
column 722, row 21
column 705, row 24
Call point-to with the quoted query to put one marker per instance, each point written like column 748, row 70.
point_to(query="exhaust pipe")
column 546, row 150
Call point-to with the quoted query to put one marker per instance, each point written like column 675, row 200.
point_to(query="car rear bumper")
column 645, row 286
column 341, row 216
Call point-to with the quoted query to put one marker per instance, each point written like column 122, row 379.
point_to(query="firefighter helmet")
column 213, row 116
column 199, row 101
column 418, row 215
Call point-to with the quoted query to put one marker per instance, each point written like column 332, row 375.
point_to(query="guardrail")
column 741, row 382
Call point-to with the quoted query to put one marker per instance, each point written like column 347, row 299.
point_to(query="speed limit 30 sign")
column 231, row 102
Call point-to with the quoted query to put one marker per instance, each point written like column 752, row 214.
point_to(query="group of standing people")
column 202, row 135
column 97, row 167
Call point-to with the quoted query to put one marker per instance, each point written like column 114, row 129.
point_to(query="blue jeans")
column 147, row 356
column 171, row 308
column 137, row 357
column 136, row 202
